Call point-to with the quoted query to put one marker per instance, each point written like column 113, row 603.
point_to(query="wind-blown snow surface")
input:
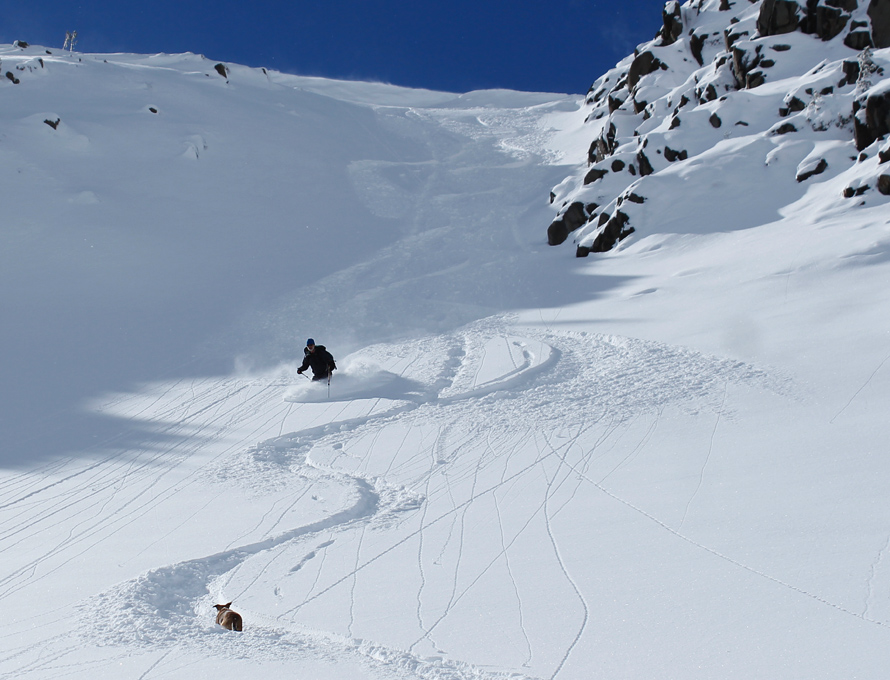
column 665, row 462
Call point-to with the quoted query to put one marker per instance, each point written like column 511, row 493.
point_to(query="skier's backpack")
column 325, row 350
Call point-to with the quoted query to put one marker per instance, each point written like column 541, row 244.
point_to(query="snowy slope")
column 667, row 460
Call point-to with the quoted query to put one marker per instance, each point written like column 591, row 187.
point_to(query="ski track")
column 457, row 458
column 554, row 542
column 517, row 593
column 877, row 587
column 701, row 476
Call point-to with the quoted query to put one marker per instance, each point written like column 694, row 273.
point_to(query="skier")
column 318, row 359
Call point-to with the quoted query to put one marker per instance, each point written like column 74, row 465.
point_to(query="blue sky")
column 460, row 45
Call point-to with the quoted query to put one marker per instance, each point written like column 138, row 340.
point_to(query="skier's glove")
column 299, row 371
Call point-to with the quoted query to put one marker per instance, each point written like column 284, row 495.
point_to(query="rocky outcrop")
column 828, row 19
column 682, row 95
column 673, row 23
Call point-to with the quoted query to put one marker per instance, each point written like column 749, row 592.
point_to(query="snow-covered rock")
column 764, row 75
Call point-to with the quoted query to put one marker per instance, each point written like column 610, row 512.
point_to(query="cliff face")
column 734, row 111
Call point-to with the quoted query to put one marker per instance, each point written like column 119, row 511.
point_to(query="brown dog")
column 227, row 618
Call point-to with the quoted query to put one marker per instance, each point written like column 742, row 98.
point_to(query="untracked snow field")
column 667, row 461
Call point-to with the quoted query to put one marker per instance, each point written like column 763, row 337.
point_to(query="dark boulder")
column 594, row 175
column 672, row 27
column 709, row 94
column 784, row 129
column 575, row 216
column 644, row 64
column 818, row 170
column 571, row 219
column 744, row 65
column 755, row 79
column 851, row 73
column 884, row 184
column 644, row 164
column 615, row 104
column 557, row 233
column 696, row 46
column 603, row 146
column 616, row 229
column 859, row 36
column 670, row 155
column 871, row 121
column 879, row 13
column 826, row 22
column 778, row 17
column 792, row 105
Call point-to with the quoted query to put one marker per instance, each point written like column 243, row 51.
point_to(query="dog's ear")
column 227, row 605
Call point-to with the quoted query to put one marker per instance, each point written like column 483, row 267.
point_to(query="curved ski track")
column 442, row 488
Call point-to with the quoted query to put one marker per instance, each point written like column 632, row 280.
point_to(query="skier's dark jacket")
column 320, row 361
